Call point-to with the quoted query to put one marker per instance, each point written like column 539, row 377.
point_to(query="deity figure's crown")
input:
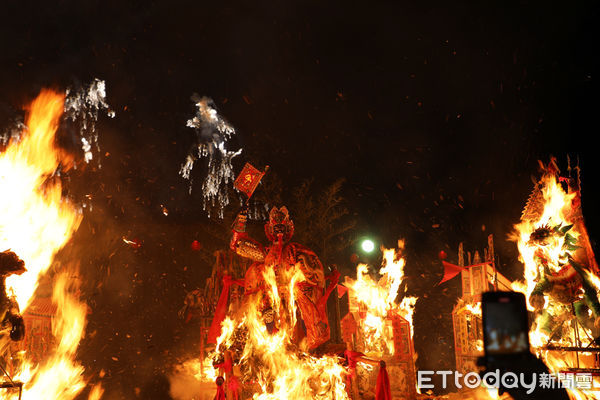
column 279, row 223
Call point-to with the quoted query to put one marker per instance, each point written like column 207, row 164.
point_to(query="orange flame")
column 378, row 299
column 280, row 369
column 284, row 372
column 35, row 222
column 557, row 211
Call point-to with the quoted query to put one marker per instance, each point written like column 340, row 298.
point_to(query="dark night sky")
column 434, row 114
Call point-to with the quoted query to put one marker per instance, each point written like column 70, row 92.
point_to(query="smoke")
column 184, row 386
column 212, row 135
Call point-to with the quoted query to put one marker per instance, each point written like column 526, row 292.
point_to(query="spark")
column 212, row 133
column 13, row 133
column 82, row 106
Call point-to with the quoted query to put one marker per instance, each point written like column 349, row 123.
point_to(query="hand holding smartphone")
column 506, row 344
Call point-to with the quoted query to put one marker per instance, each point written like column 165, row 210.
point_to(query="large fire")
column 270, row 362
column 551, row 237
column 35, row 223
column 557, row 204
column 377, row 300
column 273, row 365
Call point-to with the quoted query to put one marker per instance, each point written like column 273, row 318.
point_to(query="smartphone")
column 505, row 324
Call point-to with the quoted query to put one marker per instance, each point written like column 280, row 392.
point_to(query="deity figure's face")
column 552, row 246
column 279, row 225
column 542, row 236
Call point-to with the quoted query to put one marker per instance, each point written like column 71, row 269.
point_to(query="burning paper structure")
column 35, row 223
column 561, row 274
column 383, row 328
column 212, row 135
column 260, row 362
column 263, row 338
column 476, row 277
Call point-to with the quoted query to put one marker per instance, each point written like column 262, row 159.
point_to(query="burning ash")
column 35, row 223
column 212, row 135
column 82, row 106
column 377, row 299
column 96, row 393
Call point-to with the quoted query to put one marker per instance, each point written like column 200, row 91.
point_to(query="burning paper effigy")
column 271, row 342
column 561, row 273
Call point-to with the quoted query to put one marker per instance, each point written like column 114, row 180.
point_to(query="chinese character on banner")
column 248, row 179
column 583, row 380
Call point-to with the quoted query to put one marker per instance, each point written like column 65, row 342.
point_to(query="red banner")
column 221, row 310
column 348, row 327
column 248, row 179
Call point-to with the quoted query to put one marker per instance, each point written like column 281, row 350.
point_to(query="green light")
column 367, row 245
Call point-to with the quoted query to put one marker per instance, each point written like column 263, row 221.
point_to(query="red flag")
column 220, row 313
column 248, row 179
column 222, row 306
column 451, row 270
column 382, row 389
column 341, row 289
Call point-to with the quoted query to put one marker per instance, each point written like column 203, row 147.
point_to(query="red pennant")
column 341, row 289
column 222, row 306
column 451, row 270
column 220, row 312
